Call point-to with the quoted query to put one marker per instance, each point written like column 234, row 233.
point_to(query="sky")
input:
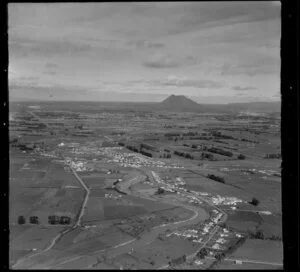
column 211, row 52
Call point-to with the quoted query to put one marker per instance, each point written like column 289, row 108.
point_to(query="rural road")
column 40, row 119
column 86, row 198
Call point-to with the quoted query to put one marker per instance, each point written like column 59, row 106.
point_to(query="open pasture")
column 243, row 216
column 157, row 253
column 83, row 241
column 202, row 184
column 43, row 202
column 230, row 265
column 93, row 182
column 34, row 237
column 260, row 250
column 100, row 208
column 22, row 201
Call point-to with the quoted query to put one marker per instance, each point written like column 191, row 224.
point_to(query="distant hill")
column 251, row 107
column 179, row 103
column 259, row 107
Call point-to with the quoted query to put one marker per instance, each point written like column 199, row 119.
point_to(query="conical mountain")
column 179, row 102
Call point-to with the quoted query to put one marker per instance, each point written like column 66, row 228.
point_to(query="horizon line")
column 136, row 102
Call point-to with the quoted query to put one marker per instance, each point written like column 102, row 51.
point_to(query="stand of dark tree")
column 254, row 201
column 148, row 154
column 182, row 154
column 241, row 157
column 220, row 151
column 215, row 178
column 147, row 146
column 207, row 156
column 178, row 261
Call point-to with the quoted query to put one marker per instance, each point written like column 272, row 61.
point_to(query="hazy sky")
column 211, row 52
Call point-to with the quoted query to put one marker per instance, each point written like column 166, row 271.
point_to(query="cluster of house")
column 198, row 234
column 112, row 196
column 219, row 243
column 179, row 181
column 221, row 200
column 78, row 166
column 252, row 171
column 136, row 160
column 175, row 188
column 50, row 154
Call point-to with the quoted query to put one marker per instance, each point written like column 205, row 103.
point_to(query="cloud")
column 239, row 88
column 51, row 65
column 170, row 61
column 263, row 65
column 28, row 78
column 50, row 73
column 186, row 82
column 26, row 46
column 142, row 44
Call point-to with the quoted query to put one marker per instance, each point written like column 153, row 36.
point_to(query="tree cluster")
column 147, row 146
column 241, row 157
column 178, row 261
column 148, row 154
column 190, row 133
column 215, row 178
column 160, row 191
column 182, row 154
column 132, row 148
column 220, row 151
column 202, row 253
column 32, row 220
column 166, row 156
column 249, row 141
column 207, row 156
column 254, row 201
column 62, row 220
column 231, row 249
column 171, row 134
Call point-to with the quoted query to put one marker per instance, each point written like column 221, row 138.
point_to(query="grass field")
column 260, row 250
column 229, row 265
column 34, row 237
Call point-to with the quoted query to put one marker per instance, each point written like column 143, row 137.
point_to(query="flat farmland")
column 22, row 201
column 38, row 190
column 92, row 182
column 100, row 208
column 44, row 202
column 207, row 185
column 260, row 250
column 94, row 210
column 259, row 150
column 156, row 254
column 34, row 237
column 244, row 216
column 45, row 175
column 230, row 265
column 16, row 254
column 88, row 241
